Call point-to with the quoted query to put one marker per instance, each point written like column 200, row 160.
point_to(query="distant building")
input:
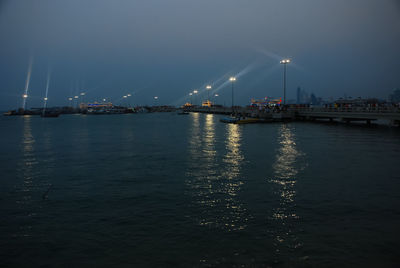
column 206, row 103
column 266, row 102
column 298, row 95
column 95, row 105
column 302, row 96
column 395, row 96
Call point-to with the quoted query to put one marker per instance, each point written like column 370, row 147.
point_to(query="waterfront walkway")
column 367, row 114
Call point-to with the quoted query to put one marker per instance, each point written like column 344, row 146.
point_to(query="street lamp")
column 190, row 94
column 83, row 97
column 125, row 99
column 216, row 95
column 76, row 97
column 232, row 79
column 24, row 97
column 70, row 102
column 208, row 92
column 284, row 62
column 44, row 105
column 195, row 92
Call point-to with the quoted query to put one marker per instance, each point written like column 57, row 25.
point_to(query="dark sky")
column 167, row 48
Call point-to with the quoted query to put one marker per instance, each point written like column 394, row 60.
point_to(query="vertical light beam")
column 47, row 91
column 28, row 79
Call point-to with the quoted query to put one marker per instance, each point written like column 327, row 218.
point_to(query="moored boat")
column 229, row 120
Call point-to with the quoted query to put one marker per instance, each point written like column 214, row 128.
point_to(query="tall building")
column 298, row 95
column 395, row 96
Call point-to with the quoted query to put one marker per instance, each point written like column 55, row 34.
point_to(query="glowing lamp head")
column 25, row 96
column 216, row 95
column 190, row 93
column 285, row 61
column 104, row 99
column 129, row 95
column 232, row 79
column 70, row 99
column 45, row 99
column 125, row 97
column 83, row 94
column 76, row 97
column 195, row 91
column 156, row 98
column 208, row 87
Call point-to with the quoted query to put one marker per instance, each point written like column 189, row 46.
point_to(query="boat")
column 9, row 113
column 231, row 120
column 182, row 113
column 248, row 120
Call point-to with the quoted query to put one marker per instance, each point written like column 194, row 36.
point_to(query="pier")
column 341, row 114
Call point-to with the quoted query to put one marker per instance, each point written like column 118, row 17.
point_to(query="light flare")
column 28, row 79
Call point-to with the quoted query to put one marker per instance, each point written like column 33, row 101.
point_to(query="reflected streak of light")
column 209, row 138
column 213, row 188
column 28, row 160
column 286, row 169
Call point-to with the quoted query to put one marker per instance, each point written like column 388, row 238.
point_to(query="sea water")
column 168, row 190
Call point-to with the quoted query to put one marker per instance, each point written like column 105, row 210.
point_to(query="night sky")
column 167, row 48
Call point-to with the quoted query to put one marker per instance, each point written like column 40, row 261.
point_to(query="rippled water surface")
column 166, row 190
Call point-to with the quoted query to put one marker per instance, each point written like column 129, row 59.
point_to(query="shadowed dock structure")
column 367, row 114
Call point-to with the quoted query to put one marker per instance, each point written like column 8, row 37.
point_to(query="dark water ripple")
column 162, row 190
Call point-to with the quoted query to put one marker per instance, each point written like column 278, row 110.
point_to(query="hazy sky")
column 167, row 48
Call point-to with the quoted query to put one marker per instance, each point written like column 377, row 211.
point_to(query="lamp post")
column 232, row 79
column 76, row 97
column 191, row 94
column 155, row 100
column 195, row 92
column 129, row 102
column 284, row 62
column 124, row 97
column 44, row 105
column 70, row 102
column 208, row 92
column 25, row 96
column 83, row 100
column 215, row 100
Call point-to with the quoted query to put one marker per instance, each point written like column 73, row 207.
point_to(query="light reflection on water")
column 235, row 218
column 286, row 169
column 27, row 173
column 214, row 181
column 28, row 161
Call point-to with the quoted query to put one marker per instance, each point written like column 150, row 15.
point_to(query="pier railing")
column 348, row 109
column 342, row 113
